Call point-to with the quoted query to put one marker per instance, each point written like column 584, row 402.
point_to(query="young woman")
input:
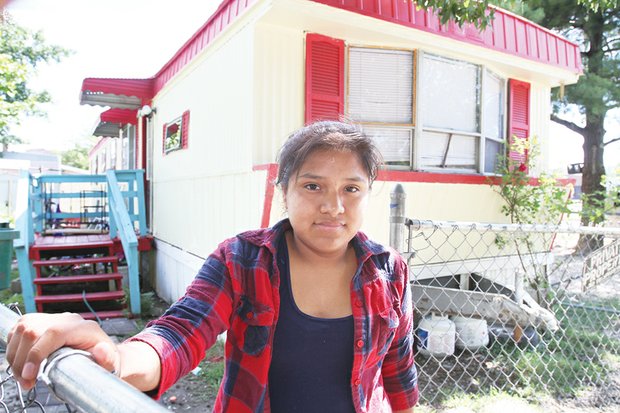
column 318, row 317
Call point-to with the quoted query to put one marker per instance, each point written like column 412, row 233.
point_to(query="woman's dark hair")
column 326, row 135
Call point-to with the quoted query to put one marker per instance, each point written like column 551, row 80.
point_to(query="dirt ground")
column 191, row 394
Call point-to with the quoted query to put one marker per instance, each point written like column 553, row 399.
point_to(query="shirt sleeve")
column 400, row 378
column 183, row 334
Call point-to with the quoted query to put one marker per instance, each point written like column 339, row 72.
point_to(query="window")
column 175, row 134
column 461, row 109
column 381, row 97
column 172, row 135
column 450, row 111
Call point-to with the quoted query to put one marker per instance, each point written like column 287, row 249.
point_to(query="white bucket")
column 436, row 336
column 471, row 333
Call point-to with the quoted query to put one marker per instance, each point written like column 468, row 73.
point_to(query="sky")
column 134, row 39
column 109, row 38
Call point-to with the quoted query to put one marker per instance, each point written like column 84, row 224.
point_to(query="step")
column 77, row 279
column 100, row 296
column 72, row 242
column 73, row 261
column 104, row 314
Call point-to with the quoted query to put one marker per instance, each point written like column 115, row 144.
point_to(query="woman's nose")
column 332, row 204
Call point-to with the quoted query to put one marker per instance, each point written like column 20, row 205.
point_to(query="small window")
column 172, row 135
column 176, row 134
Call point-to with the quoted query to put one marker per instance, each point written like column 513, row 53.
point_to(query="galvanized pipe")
column 397, row 218
column 83, row 384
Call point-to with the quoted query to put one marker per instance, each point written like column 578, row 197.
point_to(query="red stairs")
column 78, row 273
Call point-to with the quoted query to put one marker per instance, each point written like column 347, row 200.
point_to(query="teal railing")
column 119, row 206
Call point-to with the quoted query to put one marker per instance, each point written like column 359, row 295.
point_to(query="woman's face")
column 325, row 201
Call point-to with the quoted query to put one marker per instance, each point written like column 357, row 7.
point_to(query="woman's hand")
column 37, row 335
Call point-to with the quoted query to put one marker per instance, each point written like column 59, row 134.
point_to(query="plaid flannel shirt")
column 237, row 290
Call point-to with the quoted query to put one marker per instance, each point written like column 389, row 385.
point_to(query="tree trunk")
column 593, row 167
column 593, row 136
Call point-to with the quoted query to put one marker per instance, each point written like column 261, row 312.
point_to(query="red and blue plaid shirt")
column 237, row 290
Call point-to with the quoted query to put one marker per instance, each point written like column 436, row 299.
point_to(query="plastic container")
column 436, row 336
column 471, row 333
column 7, row 236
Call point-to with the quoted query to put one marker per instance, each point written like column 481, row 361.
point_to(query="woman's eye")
column 352, row 189
column 312, row 187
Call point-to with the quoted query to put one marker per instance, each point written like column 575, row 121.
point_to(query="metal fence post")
column 397, row 218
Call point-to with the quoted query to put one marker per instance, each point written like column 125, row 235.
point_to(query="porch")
column 80, row 239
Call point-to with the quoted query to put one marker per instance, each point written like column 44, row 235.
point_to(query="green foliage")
column 461, row 11
column 526, row 203
column 77, row 157
column 597, row 205
column 7, row 296
column 21, row 52
column 595, row 26
column 212, row 366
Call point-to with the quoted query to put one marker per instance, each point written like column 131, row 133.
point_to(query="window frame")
column 179, row 120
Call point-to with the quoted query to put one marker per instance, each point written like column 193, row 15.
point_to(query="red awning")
column 123, row 116
column 116, row 93
column 113, row 120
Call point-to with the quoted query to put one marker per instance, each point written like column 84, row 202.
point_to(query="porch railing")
column 53, row 203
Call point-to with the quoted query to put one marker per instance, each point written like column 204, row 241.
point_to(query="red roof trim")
column 123, row 116
column 227, row 12
column 509, row 33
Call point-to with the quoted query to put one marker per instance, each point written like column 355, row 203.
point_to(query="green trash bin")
column 7, row 235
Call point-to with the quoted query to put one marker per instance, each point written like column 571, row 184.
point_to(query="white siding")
column 279, row 77
column 208, row 192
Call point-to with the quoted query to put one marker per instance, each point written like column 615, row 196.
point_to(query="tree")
column 77, row 157
column 21, row 52
column 595, row 26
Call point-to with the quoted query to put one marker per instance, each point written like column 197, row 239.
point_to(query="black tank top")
column 312, row 357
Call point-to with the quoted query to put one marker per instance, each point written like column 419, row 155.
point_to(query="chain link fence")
column 517, row 308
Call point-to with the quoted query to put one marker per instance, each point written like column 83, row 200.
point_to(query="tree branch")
column 611, row 141
column 569, row 125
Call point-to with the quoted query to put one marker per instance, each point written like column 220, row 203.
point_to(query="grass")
column 212, row 366
column 9, row 297
column 494, row 401
column 582, row 353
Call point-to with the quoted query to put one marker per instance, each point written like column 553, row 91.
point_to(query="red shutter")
column 163, row 140
column 519, row 116
column 185, row 129
column 324, row 78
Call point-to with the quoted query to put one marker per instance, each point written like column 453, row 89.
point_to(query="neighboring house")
column 37, row 162
column 440, row 101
